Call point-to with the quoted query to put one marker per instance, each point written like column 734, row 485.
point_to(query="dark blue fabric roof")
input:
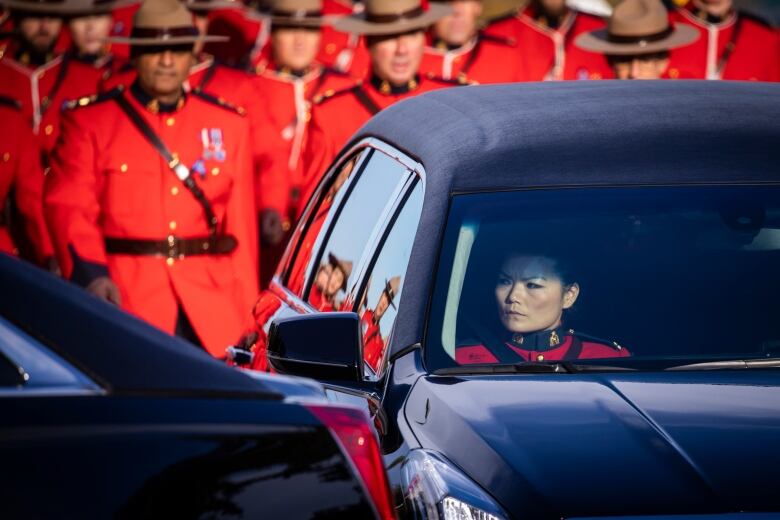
column 574, row 133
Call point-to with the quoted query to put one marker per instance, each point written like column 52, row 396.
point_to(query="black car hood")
column 594, row 444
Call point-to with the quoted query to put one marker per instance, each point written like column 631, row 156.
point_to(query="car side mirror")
column 325, row 346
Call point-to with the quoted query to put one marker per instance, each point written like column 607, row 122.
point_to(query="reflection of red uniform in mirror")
column 373, row 344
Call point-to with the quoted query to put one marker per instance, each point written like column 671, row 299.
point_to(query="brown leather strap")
column 366, row 101
column 172, row 247
column 395, row 17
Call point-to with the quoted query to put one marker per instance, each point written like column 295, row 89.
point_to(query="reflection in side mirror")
column 324, row 346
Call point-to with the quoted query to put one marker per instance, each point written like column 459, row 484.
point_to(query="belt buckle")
column 173, row 248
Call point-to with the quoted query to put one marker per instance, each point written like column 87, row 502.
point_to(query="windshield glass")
column 616, row 275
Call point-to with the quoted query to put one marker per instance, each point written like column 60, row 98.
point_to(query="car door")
column 327, row 252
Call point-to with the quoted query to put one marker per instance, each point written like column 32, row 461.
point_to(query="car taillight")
column 352, row 429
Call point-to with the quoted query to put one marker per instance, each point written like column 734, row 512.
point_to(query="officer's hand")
column 271, row 232
column 104, row 288
column 53, row 266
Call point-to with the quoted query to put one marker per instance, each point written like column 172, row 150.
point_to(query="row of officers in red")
column 152, row 152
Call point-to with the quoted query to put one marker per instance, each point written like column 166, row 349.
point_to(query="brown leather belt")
column 172, row 247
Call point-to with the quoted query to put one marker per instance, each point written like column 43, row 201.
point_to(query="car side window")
column 329, row 202
column 352, row 230
column 379, row 301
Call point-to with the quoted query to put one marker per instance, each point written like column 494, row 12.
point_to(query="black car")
column 103, row 416
column 556, row 300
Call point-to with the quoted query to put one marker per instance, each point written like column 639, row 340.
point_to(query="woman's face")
column 530, row 296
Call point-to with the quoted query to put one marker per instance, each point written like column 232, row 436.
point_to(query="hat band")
column 641, row 40
column 392, row 18
column 163, row 33
column 300, row 14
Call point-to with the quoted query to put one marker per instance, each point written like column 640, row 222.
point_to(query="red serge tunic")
column 555, row 345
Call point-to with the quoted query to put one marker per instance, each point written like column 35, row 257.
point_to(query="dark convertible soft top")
column 122, row 353
column 574, row 134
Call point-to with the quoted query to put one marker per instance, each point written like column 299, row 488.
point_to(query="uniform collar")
column 441, row 45
column 704, row 17
column 31, row 58
column 539, row 341
column 385, row 87
column 153, row 105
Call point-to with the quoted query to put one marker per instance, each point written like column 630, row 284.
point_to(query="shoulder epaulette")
column 756, row 17
column 10, row 102
column 494, row 38
column 94, row 99
column 331, row 93
column 218, row 101
column 461, row 80
column 595, row 339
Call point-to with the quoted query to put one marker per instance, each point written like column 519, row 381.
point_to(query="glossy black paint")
column 295, row 346
column 119, row 457
column 164, row 432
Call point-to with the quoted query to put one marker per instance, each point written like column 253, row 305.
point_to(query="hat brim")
column 598, row 41
column 357, row 23
column 64, row 10
column 312, row 22
column 214, row 6
column 177, row 40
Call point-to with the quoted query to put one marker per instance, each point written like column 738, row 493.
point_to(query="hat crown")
column 638, row 18
column 391, row 7
column 161, row 14
column 392, row 285
column 296, row 6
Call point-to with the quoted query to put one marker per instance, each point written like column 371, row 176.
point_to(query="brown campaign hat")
column 391, row 289
column 65, row 8
column 637, row 27
column 204, row 6
column 384, row 17
column 164, row 22
column 298, row 13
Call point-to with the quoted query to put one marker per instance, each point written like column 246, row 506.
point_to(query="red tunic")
column 339, row 50
column 550, row 54
column 43, row 90
column 739, row 48
column 248, row 31
column 108, row 181
column 469, row 354
column 373, row 343
column 486, row 59
column 287, row 101
column 123, row 24
column 336, row 117
column 20, row 169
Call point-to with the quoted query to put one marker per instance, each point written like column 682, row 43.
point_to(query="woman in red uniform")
column 532, row 295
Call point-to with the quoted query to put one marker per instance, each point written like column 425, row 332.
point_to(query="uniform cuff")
column 84, row 271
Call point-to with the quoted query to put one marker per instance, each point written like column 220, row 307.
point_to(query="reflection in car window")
column 352, row 230
column 379, row 302
column 633, row 275
column 328, row 205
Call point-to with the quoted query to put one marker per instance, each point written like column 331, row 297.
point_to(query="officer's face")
column 381, row 306
column 163, row 73
column 40, row 33
column 396, row 58
column 335, row 282
column 90, row 32
column 295, row 48
column 640, row 67
column 714, row 7
column 530, row 296
column 460, row 26
column 323, row 276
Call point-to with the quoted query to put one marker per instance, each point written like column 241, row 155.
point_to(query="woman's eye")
column 504, row 281
column 533, row 285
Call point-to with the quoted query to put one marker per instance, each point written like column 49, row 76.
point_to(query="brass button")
column 170, row 121
column 540, row 357
column 330, row 48
column 49, row 129
column 175, row 191
column 169, row 261
column 215, row 171
column 123, row 168
column 172, row 225
column 6, row 156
